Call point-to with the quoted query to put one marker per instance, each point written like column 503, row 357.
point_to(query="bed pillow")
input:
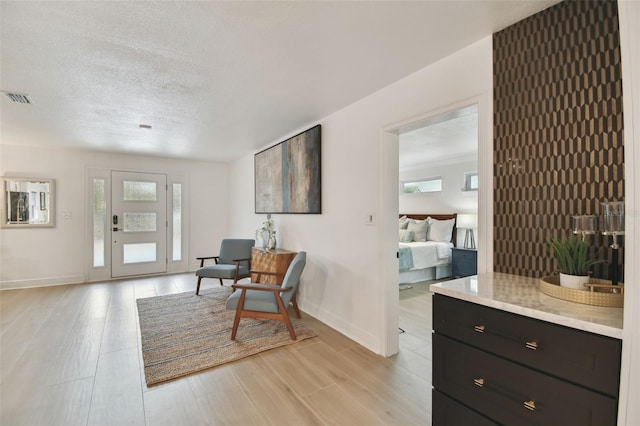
column 440, row 230
column 406, row 236
column 404, row 222
column 419, row 228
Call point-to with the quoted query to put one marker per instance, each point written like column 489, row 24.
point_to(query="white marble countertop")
column 520, row 295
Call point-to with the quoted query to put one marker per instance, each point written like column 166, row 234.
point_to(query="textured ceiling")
column 215, row 80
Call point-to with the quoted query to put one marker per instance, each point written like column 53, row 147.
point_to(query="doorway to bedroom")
column 438, row 205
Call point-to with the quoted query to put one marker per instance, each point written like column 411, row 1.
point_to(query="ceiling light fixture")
column 19, row 98
column 145, row 126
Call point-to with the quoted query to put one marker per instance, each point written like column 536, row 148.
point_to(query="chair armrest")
column 202, row 259
column 237, row 262
column 261, row 287
column 253, row 271
column 257, row 275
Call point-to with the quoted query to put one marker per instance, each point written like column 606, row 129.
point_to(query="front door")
column 138, row 223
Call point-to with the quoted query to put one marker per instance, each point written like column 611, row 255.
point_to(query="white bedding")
column 429, row 253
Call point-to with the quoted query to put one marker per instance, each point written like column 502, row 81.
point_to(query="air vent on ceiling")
column 18, row 97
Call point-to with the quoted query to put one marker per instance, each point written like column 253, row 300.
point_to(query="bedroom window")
column 470, row 181
column 419, row 186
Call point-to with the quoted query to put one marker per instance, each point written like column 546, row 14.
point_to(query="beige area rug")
column 184, row 333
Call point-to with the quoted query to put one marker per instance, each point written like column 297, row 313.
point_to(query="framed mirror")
column 27, row 202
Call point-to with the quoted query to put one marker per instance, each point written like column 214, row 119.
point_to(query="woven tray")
column 551, row 286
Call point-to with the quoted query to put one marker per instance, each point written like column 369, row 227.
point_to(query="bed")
column 425, row 242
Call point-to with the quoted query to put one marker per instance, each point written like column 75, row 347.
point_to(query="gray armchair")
column 268, row 301
column 233, row 262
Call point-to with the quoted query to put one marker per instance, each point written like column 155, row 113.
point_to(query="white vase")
column 264, row 235
column 574, row 281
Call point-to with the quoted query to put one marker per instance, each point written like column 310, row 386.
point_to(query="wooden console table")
column 275, row 260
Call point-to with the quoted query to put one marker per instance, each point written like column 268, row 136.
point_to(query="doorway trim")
column 389, row 206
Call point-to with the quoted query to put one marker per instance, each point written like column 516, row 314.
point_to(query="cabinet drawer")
column 512, row 394
column 580, row 357
column 449, row 412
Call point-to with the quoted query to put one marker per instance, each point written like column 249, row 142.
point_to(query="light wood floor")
column 70, row 355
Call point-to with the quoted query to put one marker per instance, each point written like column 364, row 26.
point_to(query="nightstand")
column 464, row 262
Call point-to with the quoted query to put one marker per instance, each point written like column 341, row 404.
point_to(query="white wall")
column 45, row 256
column 345, row 280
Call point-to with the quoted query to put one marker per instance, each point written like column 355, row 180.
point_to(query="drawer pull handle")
column 533, row 345
column 530, row 405
column 478, row 382
column 479, row 328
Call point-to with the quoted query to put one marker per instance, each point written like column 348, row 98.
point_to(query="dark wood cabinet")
column 512, row 369
column 448, row 411
column 464, row 262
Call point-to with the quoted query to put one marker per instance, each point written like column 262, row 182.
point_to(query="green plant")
column 572, row 255
column 269, row 227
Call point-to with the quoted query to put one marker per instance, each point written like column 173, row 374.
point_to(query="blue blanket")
column 406, row 259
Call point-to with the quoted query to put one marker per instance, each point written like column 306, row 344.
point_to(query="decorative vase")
column 272, row 241
column 574, row 281
column 265, row 235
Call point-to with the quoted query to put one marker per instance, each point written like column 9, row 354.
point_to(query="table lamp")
column 468, row 221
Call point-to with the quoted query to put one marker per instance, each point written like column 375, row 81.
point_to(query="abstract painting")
column 287, row 175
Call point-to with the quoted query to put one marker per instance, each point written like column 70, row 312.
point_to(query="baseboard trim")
column 72, row 279
column 356, row 334
column 41, row 282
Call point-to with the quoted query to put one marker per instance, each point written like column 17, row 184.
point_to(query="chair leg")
column 198, row 286
column 294, row 302
column 221, row 283
column 236, row 320
column 285, row 317
column 287, row 321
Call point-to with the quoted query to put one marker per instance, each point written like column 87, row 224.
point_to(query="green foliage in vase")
column 573, row 255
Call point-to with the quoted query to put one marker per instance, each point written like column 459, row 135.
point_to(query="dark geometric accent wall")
column 558, row 146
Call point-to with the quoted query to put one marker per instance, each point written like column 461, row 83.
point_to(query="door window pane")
column 139, row 252
column 99, row 218
column 139, row 222
column 139, row 191
column 177, row 221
